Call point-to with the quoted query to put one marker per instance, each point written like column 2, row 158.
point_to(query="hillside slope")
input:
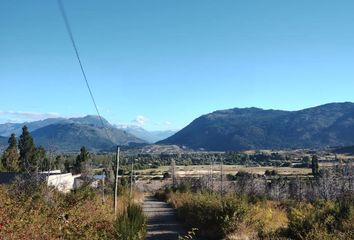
column 7, row 129
column 72, row 136
column 254, row 128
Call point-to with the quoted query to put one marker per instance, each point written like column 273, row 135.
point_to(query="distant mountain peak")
column 90, row 120
column 148, row 136
column 70, row 134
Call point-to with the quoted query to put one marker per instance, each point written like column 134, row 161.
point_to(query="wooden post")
column 222, row 178
column 212, row 174
column 173, row 172
column 103, row 179
column 116, row 184
column 131, row 181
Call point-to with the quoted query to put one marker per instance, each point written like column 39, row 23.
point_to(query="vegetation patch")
column 233, row 217
column 41, row 212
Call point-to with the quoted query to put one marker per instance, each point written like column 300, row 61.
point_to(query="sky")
column 160, row 64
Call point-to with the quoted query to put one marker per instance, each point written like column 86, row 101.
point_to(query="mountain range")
column 329, row 125
column 254, row 128
column 70, row 134
column 148, row 136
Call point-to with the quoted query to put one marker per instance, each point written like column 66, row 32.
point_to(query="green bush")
column 131, row 224
column 213, row 215
column 322, row 220
column 80, row 194
column 184, row 187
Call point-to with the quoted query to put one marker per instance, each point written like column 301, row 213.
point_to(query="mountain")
column 344, row 150
column 7, row 129
column 254, row 128
column 71, row 134
column 92, row 120
column 160, row 135
column 148, row 136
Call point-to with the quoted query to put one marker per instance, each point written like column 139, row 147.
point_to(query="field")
column 197, row 170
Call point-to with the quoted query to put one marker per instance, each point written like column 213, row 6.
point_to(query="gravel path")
column 161, row 220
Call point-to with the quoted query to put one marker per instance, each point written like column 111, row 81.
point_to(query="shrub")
column 131, row 224
column 41, row 212
column 213, row 215
column 322, row 220
column 270, row 172
column 81, row 194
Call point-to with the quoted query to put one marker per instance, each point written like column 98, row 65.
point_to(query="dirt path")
column 161, row 220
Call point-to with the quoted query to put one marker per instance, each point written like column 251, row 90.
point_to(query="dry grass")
column 264, row 218
column 53, row 215
column 258, row 219
column 228, row 169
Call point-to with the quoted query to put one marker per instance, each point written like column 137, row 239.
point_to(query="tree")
column 2, row 168
column 42, row 161
column 81, row 162
column 10, row 158
column 306, row 160
column 315, row 165
column 67, row 165
column 59, row 163
column 28, row 152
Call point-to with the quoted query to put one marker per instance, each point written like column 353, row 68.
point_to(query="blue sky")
column 162, row 63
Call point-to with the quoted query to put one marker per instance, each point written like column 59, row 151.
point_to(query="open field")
column 192, row 170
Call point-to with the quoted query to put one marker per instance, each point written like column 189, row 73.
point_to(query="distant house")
column 63, row 182
column 94, row 181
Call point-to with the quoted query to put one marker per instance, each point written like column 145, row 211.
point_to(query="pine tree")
column 81, row 161
column 43, row 162
column 315, row 165
column 28, row 152
column 67, row 166
column 2, row 168
column 59, row 163
column 10, row 158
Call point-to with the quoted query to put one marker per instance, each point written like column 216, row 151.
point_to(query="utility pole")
column 222, row 177
column 131, row 181
column 116, row 184
column 209, row 178
column 173, row 172
column 212, row 174
column 103, row 179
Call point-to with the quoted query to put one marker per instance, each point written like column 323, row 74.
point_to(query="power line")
column 68, row 28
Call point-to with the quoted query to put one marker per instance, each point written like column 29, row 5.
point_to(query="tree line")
column 24, row 156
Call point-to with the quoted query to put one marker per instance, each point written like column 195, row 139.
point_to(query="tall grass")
column 234, row 217
column 322, row 220
column 212, row 215
column 131, row 224
column 41, row 212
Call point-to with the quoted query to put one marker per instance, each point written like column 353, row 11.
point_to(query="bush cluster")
column 41, row 212
column 322, row 220
column 212, row 215
column 131, row 225
column 231, row 217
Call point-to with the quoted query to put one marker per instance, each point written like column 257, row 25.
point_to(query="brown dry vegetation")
column 228, row 169
column 44, row 213
column 233, row 217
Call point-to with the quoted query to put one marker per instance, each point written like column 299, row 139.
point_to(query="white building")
column 63, row 182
